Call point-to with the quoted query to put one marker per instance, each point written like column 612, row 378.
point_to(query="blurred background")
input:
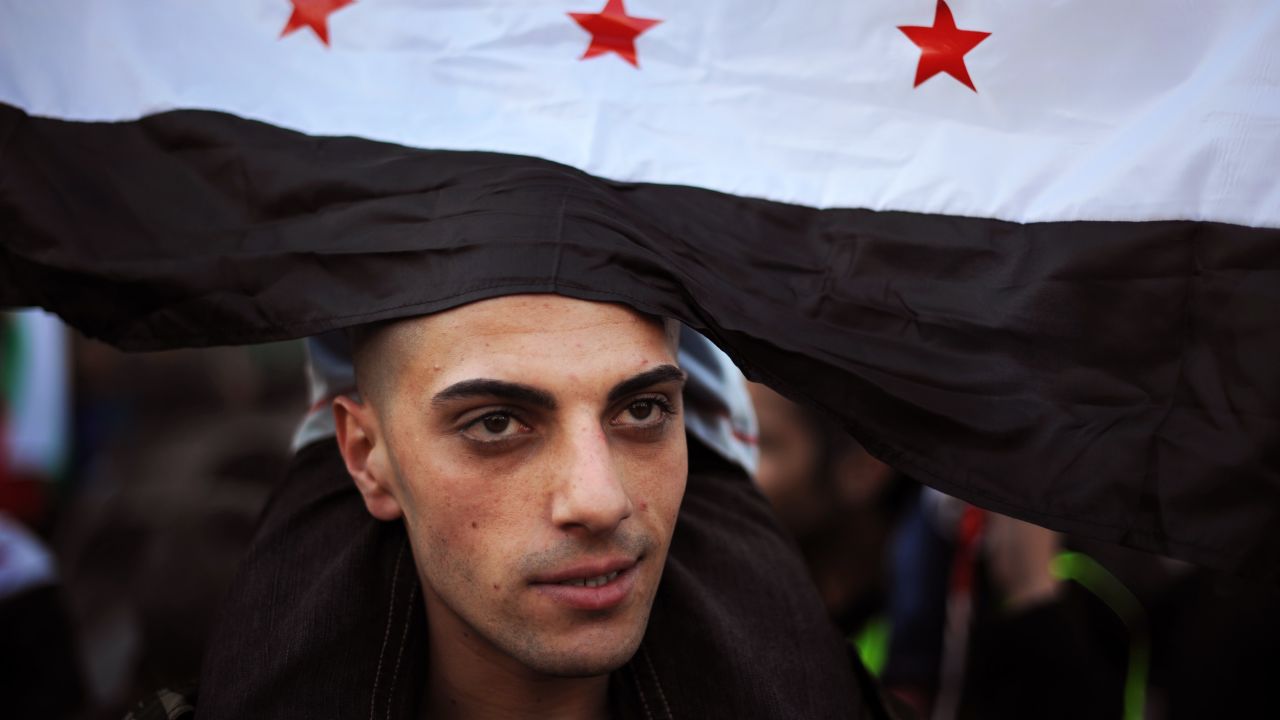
column 130, row 485
column 129, row 488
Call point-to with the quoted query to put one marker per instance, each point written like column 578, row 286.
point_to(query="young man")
column 538, row 469
column 529, row 453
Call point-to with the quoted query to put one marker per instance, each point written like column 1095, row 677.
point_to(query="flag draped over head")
column 1029, row 255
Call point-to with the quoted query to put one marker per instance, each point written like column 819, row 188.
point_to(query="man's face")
column 534, row 446
column 810, row 491
column 789, row 461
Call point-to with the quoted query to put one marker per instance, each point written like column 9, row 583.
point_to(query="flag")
column 35, row 409
column 1029, row 255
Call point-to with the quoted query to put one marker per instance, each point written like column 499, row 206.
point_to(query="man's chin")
column 580, row 665
column 595, row 654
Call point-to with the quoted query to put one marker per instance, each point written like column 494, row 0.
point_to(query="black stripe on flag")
column 1115, row 380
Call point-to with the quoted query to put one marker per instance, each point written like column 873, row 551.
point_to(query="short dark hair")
column 367, row 342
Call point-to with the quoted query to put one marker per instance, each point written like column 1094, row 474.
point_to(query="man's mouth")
column 591, row 585
column 590, row 572
column 592, row 582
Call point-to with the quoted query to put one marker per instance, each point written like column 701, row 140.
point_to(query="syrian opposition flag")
column 1027, row 252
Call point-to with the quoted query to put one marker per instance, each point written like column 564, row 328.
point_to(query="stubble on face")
column 525, row 639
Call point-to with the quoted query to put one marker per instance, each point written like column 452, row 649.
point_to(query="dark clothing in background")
column 1061, row 659
column 40, row 673
column 325, row 618
column 1214, row 641
column 920, row 559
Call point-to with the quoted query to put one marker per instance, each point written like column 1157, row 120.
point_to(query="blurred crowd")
column 964, row 613
column 130, row 490
column 130, row 484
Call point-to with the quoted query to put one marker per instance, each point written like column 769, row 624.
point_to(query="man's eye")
column 495, row 426
column 641, row 410
column 642, row 413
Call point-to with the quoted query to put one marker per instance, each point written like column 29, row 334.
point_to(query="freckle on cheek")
column 495, row 586
column 474, row 525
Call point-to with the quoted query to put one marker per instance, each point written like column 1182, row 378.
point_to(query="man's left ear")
column 364, row 450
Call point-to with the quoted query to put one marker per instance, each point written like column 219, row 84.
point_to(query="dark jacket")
column 326, row 620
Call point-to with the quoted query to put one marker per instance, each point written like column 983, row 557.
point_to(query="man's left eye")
column 495, row 427
column 643, row 412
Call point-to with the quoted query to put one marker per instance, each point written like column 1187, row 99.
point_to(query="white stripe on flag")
column 1085, row 110
column 39, row 424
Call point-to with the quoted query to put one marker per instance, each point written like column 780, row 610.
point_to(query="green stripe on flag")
column 10, row 359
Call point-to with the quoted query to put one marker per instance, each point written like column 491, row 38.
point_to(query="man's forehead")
column 518, row 336
column 534, row 314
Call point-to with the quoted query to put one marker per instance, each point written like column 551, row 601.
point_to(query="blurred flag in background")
column 34, row 411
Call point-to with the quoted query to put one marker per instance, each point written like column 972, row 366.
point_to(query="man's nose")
column 590, row 496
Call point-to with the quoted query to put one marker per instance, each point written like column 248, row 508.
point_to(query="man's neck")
column 466, row 680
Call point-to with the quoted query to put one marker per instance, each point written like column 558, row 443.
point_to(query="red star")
column 613, row 30
column 943, row 46
column 315, row 15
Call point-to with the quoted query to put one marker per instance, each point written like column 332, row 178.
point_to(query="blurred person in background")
column 840, row 503
column 993, row 631
column 966, row 613
column 993, row 617
column 129, row 484
column 903, row 592
column 39, row 670
column 175, row 455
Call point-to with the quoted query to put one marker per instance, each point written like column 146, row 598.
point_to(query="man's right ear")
column 365, row 451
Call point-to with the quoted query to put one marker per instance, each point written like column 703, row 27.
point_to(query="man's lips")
column 592, row 585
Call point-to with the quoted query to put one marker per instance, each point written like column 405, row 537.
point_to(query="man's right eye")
column 494, row 427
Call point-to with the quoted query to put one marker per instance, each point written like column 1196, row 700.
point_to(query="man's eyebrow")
column 484, row 387
column 646, row 379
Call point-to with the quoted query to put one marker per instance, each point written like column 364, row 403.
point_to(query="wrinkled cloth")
column 1113, row 380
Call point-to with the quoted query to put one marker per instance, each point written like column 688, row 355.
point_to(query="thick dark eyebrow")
column 517, row 393
column 646, row 380
column 482, row 387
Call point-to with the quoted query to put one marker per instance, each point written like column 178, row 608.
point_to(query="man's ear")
column 365, row 451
